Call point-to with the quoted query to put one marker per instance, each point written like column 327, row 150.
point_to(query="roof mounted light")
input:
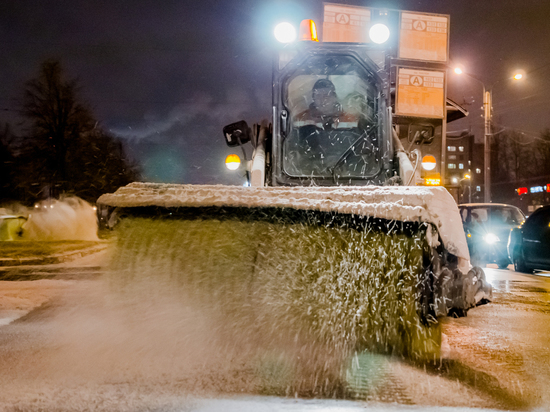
column 308, row 31
column 285, row 32
column 379, row 33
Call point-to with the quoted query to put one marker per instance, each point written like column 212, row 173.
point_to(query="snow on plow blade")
column 370, row 268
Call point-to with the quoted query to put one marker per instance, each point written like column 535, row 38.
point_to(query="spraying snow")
column 70, row 218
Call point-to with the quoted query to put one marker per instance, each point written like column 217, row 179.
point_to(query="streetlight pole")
column 487, row 104
column 461, row 182
column 487, row 114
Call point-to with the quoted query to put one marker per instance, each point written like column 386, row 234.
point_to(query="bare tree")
column 514, row 158
column 99, row 164
column 520, row 155
column 66, row 151
column 542, row 150
column 50, row 103
column 500, row 171
column 7, row 163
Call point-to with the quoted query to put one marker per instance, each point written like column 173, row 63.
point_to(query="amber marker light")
column 232, row 162
column 433, row 181
column 428, row 162
column 308, row 31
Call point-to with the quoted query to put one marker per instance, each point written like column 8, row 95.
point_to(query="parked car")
column 487, row 227
column 529, row 244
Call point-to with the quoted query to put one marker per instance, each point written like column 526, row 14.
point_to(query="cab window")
column 332, row 105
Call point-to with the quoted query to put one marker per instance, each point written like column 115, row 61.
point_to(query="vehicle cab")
column 330, row 118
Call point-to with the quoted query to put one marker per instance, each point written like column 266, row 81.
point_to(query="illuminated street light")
column 487, row 115
column 285, row 32
column 469, row 179
column 518, row 75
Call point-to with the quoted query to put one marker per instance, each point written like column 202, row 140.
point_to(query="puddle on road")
column 517, row 286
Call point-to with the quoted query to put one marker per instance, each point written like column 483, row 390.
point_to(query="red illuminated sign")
column 521, row 191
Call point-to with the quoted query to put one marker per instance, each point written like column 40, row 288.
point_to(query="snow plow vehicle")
column 338, row 236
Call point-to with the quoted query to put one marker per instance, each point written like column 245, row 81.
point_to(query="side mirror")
column 421, row 133
column 237, row 134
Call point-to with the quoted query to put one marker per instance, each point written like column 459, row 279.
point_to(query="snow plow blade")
column 364, row 268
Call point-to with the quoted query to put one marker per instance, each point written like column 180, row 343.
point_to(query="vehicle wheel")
column 519, row 263
column 503, row 264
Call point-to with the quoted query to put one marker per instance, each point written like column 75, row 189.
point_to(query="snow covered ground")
column 272, row 404
column 19, row 298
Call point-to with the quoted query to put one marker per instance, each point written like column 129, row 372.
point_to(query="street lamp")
column 469, row 179
column 487, row 115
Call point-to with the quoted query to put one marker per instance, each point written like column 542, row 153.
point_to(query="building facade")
column 464, row 168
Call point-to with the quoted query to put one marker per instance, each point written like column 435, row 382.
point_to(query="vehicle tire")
column 503, row 264
column 519, row 263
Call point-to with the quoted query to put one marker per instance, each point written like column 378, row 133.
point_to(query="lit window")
column 478, row 170
column 452, row 157
column 460, row 148
column 452, row 166
column 451, row 148
column 478, row 188
column 460, row 166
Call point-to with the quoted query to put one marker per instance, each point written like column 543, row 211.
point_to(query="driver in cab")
column 327, row 139
column 326, row 111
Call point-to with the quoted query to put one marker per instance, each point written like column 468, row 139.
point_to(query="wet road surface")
column 82, row 351
column 508, row 340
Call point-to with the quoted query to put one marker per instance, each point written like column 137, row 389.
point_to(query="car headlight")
column 491, row 238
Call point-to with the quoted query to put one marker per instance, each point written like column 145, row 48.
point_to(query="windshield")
column 496, row 215
column 333, row 111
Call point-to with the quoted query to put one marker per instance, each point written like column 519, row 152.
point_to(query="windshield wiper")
column 364, row 136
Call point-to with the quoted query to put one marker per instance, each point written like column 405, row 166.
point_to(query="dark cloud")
column 169, row 74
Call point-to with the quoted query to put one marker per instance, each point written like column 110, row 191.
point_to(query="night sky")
column 168, row 75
